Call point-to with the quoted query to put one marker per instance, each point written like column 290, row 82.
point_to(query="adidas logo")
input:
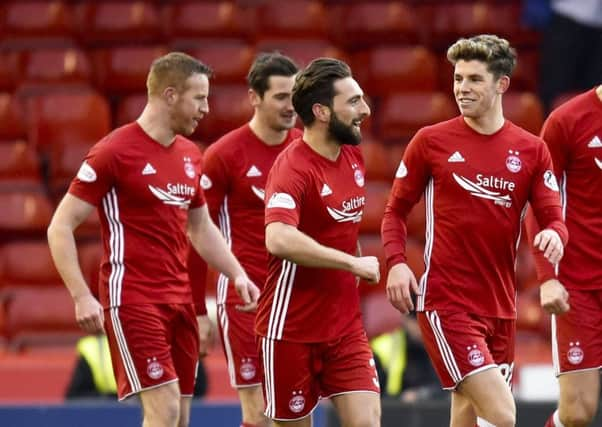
column 253, row 172
column 595, row 143
column 456, row 158
column 148, row 170
column 326, row 191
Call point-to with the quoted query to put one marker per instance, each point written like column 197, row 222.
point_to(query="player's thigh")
column 185, row 347
column 236, row 330
column 489, row 394
column 579, row 392
column 358, row 409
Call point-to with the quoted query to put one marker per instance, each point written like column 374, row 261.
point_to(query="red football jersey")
column 235, row 172
column 325, row 200
column 573, row 134
column 143, row 191
column 476, row 188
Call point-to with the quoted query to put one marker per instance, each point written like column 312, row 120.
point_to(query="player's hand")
column 89, row 314
column 205, row 334
column 247, row 291
column 553, row 297
column 367, row 268
column 400, row 282
column 548, row 241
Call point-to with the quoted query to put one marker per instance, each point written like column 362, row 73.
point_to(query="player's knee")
column 580, row 416
column 501, row 418
column 165, row 414
column 368, row 418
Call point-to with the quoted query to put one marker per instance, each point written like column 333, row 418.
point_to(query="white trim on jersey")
column 267, row 346
column 563, row 205
column 224, row 226
column 555, row 358
column 116, row 245
column 444, row 347
column 225, row 324
column 429, row 234
column 124, row 352
column 282, row 296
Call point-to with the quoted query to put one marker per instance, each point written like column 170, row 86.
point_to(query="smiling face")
column 189, row 105
column 476, row 90
column 349, row 108
column 275, row 108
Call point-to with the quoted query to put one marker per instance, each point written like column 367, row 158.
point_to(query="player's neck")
column 487, row 124
column 153, row 124
column 321, row 144
column 265, row 133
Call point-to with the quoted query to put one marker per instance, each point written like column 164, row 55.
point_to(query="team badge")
column 154, row 369
column 297, row 402
column 475, row 356
column 205, row 182
column 513, row 163
column 549, row 180
column 359, row 178
column 86, row 173
column 189, row 168
column 247, row 369
column 575, row 354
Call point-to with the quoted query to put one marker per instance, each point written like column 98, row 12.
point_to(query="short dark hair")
column 267, row 65
column 173, row 70
column 315, row 85
column 494, row 51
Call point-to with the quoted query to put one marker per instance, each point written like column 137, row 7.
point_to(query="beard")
column 343, row 133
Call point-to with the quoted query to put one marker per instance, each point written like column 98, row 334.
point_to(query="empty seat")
column 396, row 69
column 12, row 120
column 229, row 59
column 295, row 18
column 220, row 19
column 11, row 68
column 377, row 194
column 19, row 166
column 524, row 109
column 129, row 108
column 379, row 315
column 56, row 67
column 122, row 70
column 229, row 108
column 368, row 23
column 375, row 155
column 24, row 213
column 115, row 22
column 27, row 263
column 302, row 51
column 59, row 119
column 403, row 114
column 525, row 75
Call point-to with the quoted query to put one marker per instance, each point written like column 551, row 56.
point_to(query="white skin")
column 287, row 242
column 170, row 113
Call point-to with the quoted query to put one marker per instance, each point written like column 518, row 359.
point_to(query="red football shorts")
column 463, row 344
column 297, row 375
column 576, row 335
column 153, row 345
column 239, row 344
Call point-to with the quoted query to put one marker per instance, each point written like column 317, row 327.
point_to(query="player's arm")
column 70, row 213
column 211, row 246
column 287, row 242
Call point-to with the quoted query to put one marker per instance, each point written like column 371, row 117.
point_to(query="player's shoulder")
column 294, row 156
column 575, row 108
column 231, row 141
column 523, row 135
column 445, row 127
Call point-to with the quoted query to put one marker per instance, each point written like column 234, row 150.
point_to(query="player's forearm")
column 289, row 243
column 64, row 254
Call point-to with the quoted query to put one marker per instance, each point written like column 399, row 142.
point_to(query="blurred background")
column 70, row 71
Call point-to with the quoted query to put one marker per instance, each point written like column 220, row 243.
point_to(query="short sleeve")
column 284, row 193
column 413, row 172
column 96, row 175
column 552, row 133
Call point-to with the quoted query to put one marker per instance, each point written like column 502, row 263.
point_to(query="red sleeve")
column 215, row 180
column 96, row 175
column 284, row 193
column 410, row 181
column 554, row 136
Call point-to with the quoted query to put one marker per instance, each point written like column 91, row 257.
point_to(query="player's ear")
column 170, row 94
column 254, row 98
column 503, row 84
column 321, row 112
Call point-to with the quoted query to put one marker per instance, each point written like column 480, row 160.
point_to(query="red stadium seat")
column 229, row 108
column 372, row 245
column 27, row 263
column 403, row 114
column 379, row 315
column 396, row 69
column 302, row 51
column 19, row 167
column 229, row 59
column 220, row 19
column 129, row 108
column 12, row 120
column 376, row 159
column 116, row 22
column 523, row 109
column 525, row 75
column 37, row 23
column 11, row 70
column 24, row 213
column 122, row 70
column 369, row 23
column 377, row 194
column 293, row 19
column 60, row 119
column 90, row 255
column 530, row 315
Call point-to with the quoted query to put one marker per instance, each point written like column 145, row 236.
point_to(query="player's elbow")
column 275, row 240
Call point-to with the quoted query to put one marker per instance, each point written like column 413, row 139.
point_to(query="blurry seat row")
column 358, row 23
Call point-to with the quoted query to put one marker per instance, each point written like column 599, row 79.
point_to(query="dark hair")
column 494, row 51
column 172, row 70
column 315, row 85
column 267, row 65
